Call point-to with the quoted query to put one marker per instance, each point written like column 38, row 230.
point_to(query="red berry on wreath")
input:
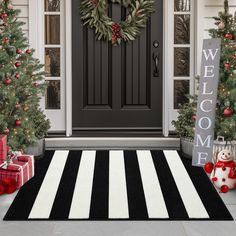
column 228, row 112
column 18, row 122
column 28, row 51
column 17, row 64
column 18, row 51
column 228, row 36
column 17, row 76
column 8, row 81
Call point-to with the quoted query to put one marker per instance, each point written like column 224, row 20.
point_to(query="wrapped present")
column 20, row 170
column 27, row 159
column 3, row 148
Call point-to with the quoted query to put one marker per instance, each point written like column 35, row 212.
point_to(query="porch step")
column 112, row 143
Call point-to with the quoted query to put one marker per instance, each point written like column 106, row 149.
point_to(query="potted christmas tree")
column 226, row 105
column 21, row 84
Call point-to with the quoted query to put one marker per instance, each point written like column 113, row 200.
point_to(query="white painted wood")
column 173, row 113
column 80, row 206
column 68, row 65
column 155, row 202
column 166, row 70
column 20, row 2
column 45, row 198
column 118, row 200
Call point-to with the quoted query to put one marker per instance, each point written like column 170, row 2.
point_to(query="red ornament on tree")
column 194, row 117
column 6, row 40
column 6, row 131
column 26, row 108
column 227, row 65
column 8, row 81
column 17, row 76
column 18, row 122
column 18, row 51
column 17, row 106
column 28, row 51
column 228, row 36
column 4, row 15
column 228, row 112
column 17, row 64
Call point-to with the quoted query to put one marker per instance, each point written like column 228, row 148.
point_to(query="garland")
column 94, row 14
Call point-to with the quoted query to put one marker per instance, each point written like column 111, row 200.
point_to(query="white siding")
column 205, row 11
column 24, row 15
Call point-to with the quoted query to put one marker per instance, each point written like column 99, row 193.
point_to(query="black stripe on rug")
column 61, row 206
column 99, row 199
column 173, row 200
column 136, row 198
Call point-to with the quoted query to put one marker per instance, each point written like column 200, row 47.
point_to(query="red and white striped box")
column 21, row 170
column 3, row 148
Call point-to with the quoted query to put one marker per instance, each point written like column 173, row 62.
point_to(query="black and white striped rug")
column 117, row 185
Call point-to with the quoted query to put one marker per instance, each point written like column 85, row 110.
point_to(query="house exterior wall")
column 31, row 14
column 23, row 5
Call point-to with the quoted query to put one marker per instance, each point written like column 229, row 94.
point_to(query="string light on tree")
column 17, row 64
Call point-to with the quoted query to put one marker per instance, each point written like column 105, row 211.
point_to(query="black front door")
column 117, row 87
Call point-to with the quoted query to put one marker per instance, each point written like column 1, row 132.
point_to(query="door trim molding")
column 68, row 24
column 166, row 71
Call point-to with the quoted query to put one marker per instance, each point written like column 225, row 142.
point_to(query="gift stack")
column 15, row 168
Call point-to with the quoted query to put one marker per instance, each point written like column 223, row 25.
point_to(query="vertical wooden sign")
column 207, row 98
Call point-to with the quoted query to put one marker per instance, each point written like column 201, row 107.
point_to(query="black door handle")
column 156, row 58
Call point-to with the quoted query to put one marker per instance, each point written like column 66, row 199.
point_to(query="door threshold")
column 111, row 143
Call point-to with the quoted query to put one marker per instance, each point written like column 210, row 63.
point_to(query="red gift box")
column 21, row 170
column 3, row 148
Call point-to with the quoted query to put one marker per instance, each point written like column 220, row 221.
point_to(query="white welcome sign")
column 205, row 120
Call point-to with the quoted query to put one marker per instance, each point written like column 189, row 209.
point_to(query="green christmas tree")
column 21, row 83
column 226, row 105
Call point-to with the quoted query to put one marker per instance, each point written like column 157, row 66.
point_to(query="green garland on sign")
column 94, row 14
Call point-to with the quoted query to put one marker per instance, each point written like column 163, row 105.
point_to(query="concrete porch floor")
column 117, row 228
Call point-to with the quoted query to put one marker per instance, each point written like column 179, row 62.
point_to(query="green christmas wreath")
column 94, row 14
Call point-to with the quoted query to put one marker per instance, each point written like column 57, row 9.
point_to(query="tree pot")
column 37, row 149
column 186, row 147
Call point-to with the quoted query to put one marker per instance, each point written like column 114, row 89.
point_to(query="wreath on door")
column 94, row 14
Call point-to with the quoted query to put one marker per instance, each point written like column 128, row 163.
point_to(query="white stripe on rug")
column 118, row 201
column 156, row 206
column 45, row 198
column 80, row 206
column 188, row 193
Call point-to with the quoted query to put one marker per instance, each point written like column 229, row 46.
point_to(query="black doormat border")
column 24, row 200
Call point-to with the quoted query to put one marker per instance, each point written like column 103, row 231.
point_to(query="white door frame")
column 36, row 23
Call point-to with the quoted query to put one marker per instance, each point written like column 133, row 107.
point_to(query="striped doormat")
column 117, row 185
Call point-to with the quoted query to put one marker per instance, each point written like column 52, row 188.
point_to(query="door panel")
column 114, row 86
